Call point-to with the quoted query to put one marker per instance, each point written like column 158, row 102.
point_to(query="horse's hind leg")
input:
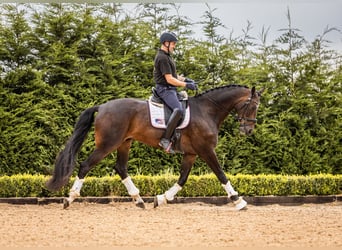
column 121, row 169
column 85, row 167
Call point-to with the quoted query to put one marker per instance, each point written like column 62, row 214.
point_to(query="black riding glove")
column 191, row 85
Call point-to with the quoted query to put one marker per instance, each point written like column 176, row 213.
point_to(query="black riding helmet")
column 168, row 37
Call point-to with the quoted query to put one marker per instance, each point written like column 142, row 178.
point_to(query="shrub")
column 204, row 185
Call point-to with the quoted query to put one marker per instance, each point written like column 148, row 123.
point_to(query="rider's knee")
column 178, row 112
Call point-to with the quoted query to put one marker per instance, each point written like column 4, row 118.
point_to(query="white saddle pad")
column 157, row 116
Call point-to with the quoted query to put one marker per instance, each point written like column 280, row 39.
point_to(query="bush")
column 204, row 185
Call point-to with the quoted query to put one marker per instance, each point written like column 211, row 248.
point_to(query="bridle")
column 244, row 121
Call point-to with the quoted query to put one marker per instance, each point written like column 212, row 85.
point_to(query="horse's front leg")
column 211, row 159
column 188, row 161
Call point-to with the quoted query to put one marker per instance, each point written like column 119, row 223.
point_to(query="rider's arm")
column 174, row 81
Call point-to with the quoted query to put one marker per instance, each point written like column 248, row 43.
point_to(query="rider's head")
column 168, row 40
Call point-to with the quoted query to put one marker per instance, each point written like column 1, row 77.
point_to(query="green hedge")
column 204, row 185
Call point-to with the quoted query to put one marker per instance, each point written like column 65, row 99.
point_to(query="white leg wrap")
column 170, row 194
column 161, row 199
column 229, row 189
column 240, row 204
column 131, row 188
column 75, row 190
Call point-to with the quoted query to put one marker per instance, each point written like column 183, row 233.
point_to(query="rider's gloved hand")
column 191, row 85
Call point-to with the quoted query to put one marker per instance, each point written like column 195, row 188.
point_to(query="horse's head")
column 247, row 111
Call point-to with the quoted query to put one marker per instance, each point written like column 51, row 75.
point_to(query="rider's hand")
column 191, row 85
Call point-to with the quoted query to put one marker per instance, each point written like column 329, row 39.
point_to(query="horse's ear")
column 253, row 91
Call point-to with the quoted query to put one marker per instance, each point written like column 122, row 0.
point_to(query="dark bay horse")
column 120, row 121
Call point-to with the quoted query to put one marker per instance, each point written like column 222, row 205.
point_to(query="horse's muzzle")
column 246, row 129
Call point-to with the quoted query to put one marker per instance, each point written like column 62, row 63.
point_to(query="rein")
column 216, row 104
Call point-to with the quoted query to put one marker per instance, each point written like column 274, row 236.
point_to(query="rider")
column 167, row 81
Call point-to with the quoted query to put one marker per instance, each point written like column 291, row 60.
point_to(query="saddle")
column 160, row 114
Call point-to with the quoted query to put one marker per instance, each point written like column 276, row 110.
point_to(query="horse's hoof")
column 140, row 204
column 155, row 202
column 66, row 203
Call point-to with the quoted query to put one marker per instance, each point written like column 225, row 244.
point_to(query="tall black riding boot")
column 165, row 141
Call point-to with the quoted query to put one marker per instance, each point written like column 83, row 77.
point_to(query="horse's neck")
column 226, row 99
column 222, row 101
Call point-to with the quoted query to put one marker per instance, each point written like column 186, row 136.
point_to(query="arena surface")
column 175, row 225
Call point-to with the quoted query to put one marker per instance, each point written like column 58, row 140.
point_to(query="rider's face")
column 171, row 45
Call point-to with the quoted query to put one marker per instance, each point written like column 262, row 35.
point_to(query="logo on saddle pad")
column 160, row 114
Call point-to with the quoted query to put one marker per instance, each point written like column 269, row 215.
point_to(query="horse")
column 120, row 121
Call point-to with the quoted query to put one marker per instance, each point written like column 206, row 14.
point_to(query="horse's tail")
column 66, row 160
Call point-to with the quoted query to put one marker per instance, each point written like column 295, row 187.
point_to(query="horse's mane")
column 221, row 87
